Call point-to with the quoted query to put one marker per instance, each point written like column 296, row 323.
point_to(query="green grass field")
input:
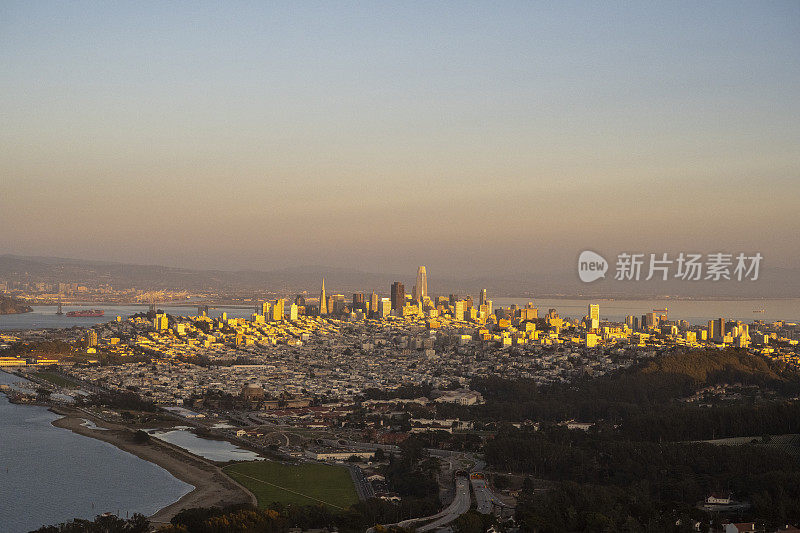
column 303, row 484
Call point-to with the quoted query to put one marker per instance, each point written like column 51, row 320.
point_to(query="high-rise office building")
column 384, row 307
column 719, row 329
column 482, row 299
column 502, row 313
column 91, row 338
column 160, row 322
column 421, row 287
column 649, row 320
column 458, row 310
column 358, row 301
column 594, row 316
column 293, row 312
column 337, row 304
column 373, row 303
column 467, row 302
column 277, row 310
column 300, row 300
column 398, row 294
column 323, row 300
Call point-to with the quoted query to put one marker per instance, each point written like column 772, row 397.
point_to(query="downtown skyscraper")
column 323, row 301
column 398, row 293
column 421, row 287
column 594, row 316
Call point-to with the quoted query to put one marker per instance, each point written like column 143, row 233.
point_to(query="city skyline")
column 391, row 136
column 217, row 226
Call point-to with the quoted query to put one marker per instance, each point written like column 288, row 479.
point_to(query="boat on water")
column 759, row 311
column 87, row 313
column 660, row 310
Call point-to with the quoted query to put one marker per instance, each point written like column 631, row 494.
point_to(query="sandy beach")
column 211, row 485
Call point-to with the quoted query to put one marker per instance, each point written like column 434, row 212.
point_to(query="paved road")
column 363, row 486
column 483, row 494
column 461, row 502
column 459, row 506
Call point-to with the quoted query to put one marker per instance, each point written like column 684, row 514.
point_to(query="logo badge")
column 591, row 266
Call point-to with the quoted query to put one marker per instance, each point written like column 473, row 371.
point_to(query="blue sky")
column 386, row 135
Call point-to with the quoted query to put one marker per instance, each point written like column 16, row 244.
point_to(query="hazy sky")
column 470, row 136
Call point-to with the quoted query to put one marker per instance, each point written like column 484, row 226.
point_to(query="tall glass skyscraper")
column 398, row 293
column 421, row 288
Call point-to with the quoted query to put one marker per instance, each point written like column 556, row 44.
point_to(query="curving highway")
column 459, row 506
column 483, row 496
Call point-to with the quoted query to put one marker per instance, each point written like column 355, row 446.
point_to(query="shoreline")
column 211, row 486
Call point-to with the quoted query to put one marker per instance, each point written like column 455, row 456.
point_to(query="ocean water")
column 44, row 316
column 50, row 475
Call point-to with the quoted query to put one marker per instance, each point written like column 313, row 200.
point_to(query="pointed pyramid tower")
column 323, row 301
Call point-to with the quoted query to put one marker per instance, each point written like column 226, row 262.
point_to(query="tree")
column 43, row 393
column 472, row 522
column 102, row 524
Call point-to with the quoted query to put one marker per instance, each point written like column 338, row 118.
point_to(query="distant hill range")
column 11, row 306
column 772, row 282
